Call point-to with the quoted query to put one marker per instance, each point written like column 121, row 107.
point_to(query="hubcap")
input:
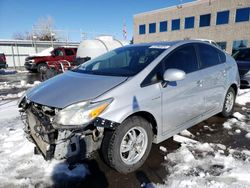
column 133, row 145
column 43, row 68
column 229, row 102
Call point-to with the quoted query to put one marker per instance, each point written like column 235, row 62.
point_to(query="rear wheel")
column 127, row 148
column 228, row 107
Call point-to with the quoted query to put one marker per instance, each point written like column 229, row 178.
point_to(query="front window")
column 205, row 20
column 142, row 29
column 189, row 22
column 152, row 27
column 126, row 61
column 242, row 14
column 222, row 17
column 176, row 24
column 163, row 26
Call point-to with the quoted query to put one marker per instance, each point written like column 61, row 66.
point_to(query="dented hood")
column 72, row 87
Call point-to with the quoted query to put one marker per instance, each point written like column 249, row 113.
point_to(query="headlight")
column 80, row 114
column 32, row 60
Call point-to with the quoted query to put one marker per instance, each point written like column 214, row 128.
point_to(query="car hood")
column 72, row 87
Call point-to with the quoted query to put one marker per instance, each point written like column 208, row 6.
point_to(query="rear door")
column 182, row 101
column 214, row 73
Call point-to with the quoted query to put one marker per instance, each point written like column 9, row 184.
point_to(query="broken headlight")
column 80, row 114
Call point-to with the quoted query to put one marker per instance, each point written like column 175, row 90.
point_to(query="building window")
column 242, row 14
column 142, row 29
column 189, row 22
column 152, row 28
column 176, row 24
column 222, row 45
column 163, row 26
column 205, row 20
column 222, row 17
column 239, row 44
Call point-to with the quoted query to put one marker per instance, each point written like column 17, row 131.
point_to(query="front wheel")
column 228, row 106
column 127, row 148
column 42, row 68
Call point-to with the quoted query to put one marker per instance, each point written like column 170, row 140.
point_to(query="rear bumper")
column 30, row 65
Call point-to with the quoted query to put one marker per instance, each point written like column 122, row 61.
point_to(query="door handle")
column 200, row 83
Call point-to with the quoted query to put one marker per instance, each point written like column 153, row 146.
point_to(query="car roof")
column 170, row 43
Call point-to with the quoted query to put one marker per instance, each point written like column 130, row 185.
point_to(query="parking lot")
column 214, row 152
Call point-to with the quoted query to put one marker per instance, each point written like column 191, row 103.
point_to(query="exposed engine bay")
column 53, row 142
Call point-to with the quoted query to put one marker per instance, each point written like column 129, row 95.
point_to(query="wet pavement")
column 153, row 170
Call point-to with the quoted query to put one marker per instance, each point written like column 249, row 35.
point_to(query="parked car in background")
column 127, row 99
column 3, row 63
column 242, row 57
column 39, row 62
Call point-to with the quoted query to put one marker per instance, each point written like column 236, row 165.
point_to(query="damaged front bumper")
column 61, row 143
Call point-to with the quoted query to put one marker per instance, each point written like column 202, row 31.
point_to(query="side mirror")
column 171, row 75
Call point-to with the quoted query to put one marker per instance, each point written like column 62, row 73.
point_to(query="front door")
column 182, row 101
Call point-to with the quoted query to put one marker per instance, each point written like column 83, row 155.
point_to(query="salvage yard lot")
column 214, row 153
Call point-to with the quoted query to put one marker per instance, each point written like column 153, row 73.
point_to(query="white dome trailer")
column 89, row 49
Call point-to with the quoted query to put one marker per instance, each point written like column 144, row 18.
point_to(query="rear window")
column 242, row 55
column 209, row 56
column 69, row 52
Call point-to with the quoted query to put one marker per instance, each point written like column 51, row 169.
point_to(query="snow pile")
column 197, row 164
column 45, row 52
column 243, row 97
column 22, row 84
column 11, row 96
column 19, row 167
column 238, row 121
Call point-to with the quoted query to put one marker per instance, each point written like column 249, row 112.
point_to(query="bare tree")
column 42, row 30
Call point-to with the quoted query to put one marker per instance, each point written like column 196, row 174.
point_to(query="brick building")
column 227, row 22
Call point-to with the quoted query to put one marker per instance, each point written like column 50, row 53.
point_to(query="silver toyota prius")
column 125, row 100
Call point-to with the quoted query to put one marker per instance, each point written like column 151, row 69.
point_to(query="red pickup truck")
column 40, row 61
column 3, row 63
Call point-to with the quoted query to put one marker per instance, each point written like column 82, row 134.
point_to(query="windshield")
column 125, row 61
column 242, row 55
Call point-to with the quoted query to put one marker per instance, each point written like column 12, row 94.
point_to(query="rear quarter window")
column 209, row 56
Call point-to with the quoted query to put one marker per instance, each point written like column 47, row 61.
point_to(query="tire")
column 136, row 133
column 229, row 102
column 42, row 68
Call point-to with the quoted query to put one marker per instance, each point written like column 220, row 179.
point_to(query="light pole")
column 52, row 38
column 34, row 37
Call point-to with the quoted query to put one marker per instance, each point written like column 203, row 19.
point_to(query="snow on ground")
column 21, row 85
column 243, row 97
column 210, row 165
column 207, row 165
column 19, row 167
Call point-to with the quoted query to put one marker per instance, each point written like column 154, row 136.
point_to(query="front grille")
column 44, row 128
